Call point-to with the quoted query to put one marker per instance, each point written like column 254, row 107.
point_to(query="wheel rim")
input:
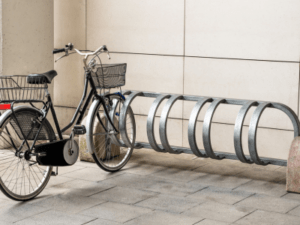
column 20, row 178
column 109, row 149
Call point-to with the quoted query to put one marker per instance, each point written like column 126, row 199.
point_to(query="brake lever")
column 108, row 56
column 60, row 58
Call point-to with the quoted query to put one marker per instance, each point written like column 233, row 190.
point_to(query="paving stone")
column 263, row 187
column 116, row 212
column 292, row 196
column 268, row 203
column 221, row 169
column 6, row 223
column 295, row 212
column 145, row 153
column 140, row 169
column 69, row 169
column 162, row 218
column 222, row 195
column 262, row 174
column 169, row 203
column 84, row 188
column 16, row 211
column 268, row 167
column 91, row 174
column 55, row 180
column 124, row 195
column 180, row 163
column 2, row 196
column 218, row 211
column 203, row 161
column 211, row 222
column 282, row 169
column 222, row 162
column 175, row 189
column 220, row 181
column 4, row 202
column 182, row 156
column 178, row 174
column 68, row 203
column 49, row 192
column 168, row 160
column 55, row 218
column 103, row 222
column 266, row 218
column 133, row 180
column 87, row 164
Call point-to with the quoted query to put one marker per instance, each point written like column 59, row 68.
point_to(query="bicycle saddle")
column 42, row 78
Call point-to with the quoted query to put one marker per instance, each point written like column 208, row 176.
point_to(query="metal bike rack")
column 208, row 151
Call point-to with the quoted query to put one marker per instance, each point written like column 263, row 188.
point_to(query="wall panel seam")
column 205, row 57
column 183, row 66
column 86, row 24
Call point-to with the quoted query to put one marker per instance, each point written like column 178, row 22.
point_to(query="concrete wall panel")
column 249, row 29
column 69, row 23
column 154, row 27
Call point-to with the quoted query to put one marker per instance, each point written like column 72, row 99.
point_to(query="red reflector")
column 4, row 106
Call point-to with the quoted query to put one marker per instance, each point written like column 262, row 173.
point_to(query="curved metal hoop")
column 192, row 127
column 207, row 127
column 253, row 131
column 290, row 113
column 123, row 114
column 150, row 122
column 238, row 130
column 163, row 124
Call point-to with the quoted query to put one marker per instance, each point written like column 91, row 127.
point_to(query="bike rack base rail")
column 165, row 147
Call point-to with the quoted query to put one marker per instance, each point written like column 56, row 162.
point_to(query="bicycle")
column 29, row 147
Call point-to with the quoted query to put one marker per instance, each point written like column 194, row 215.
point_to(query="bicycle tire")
column 113, row 154
column 37, row 177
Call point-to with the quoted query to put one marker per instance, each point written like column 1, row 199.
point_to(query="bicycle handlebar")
column 103, row 47
column 86, row 55
column 55, row 51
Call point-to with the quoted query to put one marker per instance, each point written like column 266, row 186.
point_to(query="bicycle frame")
column 81, row 112
column 84, row 101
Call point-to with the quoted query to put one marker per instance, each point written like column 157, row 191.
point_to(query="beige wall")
column 231, row 49
column 26, row 36
column 69, row 26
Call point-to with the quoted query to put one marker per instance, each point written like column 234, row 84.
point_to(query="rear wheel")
column 109, row 151
column 21, row 178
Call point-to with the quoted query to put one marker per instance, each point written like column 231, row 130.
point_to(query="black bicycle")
column 29, row 147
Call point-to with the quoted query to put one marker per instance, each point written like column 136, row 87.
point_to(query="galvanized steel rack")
column 200, row 101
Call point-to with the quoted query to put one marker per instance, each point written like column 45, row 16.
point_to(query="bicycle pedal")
column 79, row 129
column 53, row 174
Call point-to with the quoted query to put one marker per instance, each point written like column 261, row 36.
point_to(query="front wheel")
column 109, row 151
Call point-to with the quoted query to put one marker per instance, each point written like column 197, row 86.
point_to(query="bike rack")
column 200, row 101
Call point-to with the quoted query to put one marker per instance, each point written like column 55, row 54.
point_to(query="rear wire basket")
column 109, row 75
column 16, row 88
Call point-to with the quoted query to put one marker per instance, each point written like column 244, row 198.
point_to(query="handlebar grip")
column 55, row 51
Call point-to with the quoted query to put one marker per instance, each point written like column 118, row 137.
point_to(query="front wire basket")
column 16, row 88
column 109, row 75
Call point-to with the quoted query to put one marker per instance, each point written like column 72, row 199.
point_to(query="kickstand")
column 55, row 173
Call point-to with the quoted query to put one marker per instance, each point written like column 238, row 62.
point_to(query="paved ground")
column 157, row 188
